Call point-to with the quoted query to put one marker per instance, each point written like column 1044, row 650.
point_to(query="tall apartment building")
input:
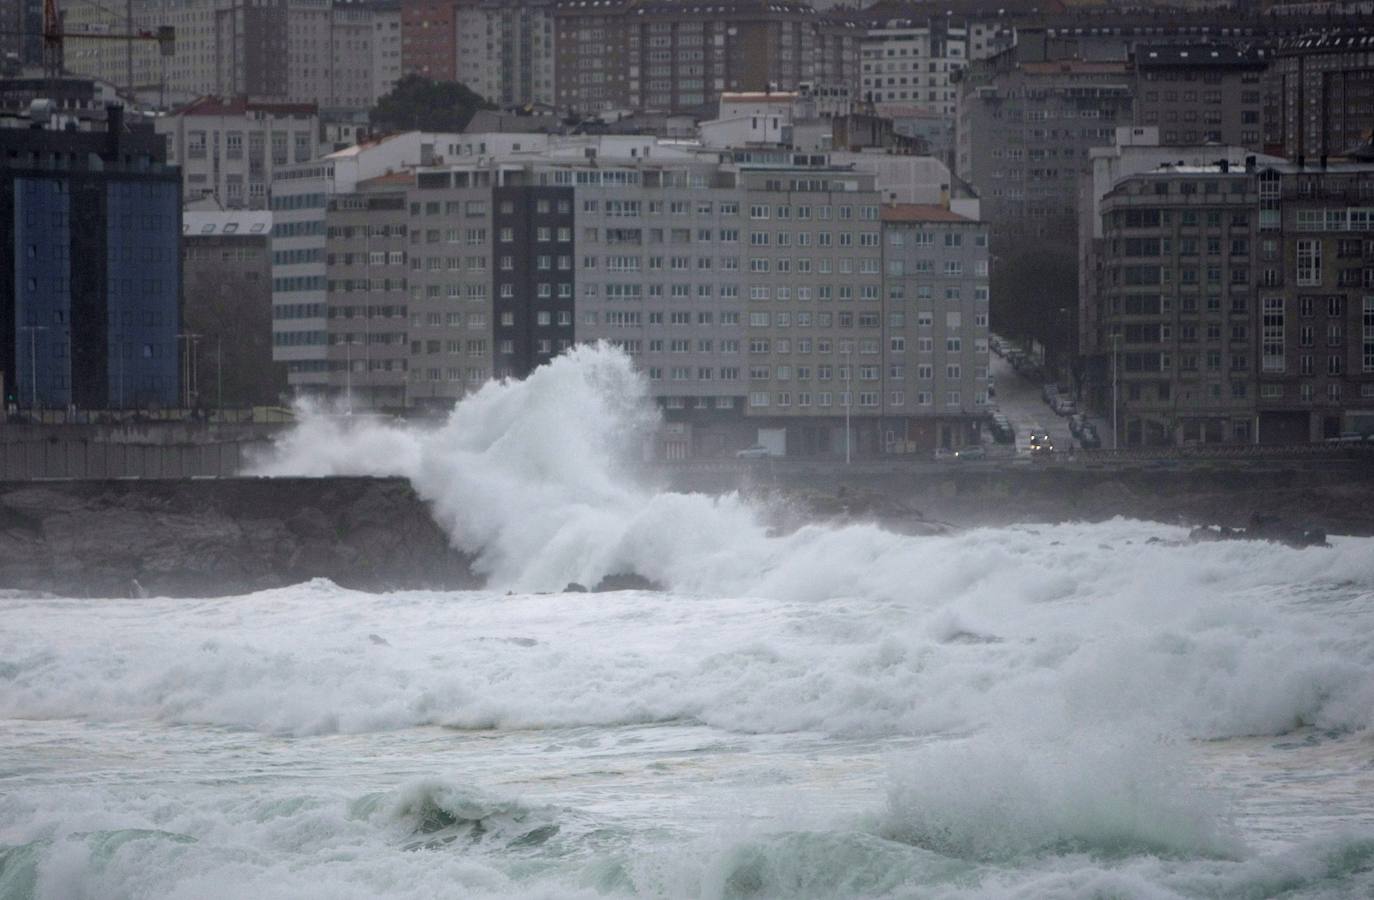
column 747, row 284
column 429, row 39
column 366, row 274
column 677, row 58
column 338, row 54
column 1314, row 318
column 1238, row 302
column 1326, row 82
column 936, row 353
column 1200, row 94
column 229, row 150
column 1026, row 123
column 591, row 62
column 334, row 47
column 506, row 51
column 386, row 47
column 1136, row 151
column 222, row 47
column 1178, row 307
column 302, row 337
column 90, row 222
column 909, row 62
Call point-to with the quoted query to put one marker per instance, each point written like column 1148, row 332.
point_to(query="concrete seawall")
column 199, row 537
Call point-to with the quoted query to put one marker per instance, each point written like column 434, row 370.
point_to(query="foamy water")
column 1064, row 711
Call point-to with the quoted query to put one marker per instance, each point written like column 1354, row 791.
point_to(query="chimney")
column 1250, row 163
column 1302, row 160
column 1225, row 165
column 1323, row 162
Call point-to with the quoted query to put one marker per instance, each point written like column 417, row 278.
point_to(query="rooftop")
column 1170, row 56
column 226, row 223
column 238, row 106
column 921, row 212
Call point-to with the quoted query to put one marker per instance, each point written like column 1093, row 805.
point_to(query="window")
column 1309, row 262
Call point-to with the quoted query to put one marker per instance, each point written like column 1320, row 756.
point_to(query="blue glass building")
column 90, row 230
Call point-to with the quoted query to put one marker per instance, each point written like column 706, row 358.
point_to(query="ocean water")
column 1029, row 711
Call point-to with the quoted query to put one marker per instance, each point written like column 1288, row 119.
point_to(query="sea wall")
column 203, row 537
column 200, row 537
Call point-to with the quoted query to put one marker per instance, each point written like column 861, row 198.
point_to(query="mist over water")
column 1048, row 711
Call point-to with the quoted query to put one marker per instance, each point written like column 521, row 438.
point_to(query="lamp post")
column 33, row 362
column 848, row 398
column 1116, row 341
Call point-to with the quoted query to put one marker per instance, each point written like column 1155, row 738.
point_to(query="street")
column 1020, row 400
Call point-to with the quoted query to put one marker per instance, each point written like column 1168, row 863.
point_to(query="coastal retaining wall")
column 196, row 537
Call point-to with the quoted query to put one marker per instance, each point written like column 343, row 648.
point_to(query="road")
column 1021, row 401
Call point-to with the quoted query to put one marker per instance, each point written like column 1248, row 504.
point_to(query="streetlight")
column 846, row 350
column 33, row 362
column 1116, row 392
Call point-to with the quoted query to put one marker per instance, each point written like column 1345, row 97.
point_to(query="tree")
column 1032, row 280
column 417, row 103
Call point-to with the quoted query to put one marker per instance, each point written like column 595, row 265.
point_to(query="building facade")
column 1326, row 82
column 1199, row 94
column 429, row 39
column 227, row 309
column 229, row 150
column 1314, row 319
column 90, row 223
column 748, row 285
column 1238, row 303
column 506, row 51
column 1026, row 124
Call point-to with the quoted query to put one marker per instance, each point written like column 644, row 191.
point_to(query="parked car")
column 1088, row 439
column 1065, row 406
column 970, row 454
column 1049, row 392
column 758, row 451
column 1076, row 423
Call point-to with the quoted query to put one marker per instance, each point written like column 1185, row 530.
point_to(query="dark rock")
column 221, row 536
column 574, row 588
column 626, row 581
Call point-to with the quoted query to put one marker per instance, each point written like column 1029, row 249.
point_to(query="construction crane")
column 54, row 36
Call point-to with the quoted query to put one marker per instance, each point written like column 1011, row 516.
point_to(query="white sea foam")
column 1050, row 679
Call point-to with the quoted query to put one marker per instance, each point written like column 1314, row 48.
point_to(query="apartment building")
column 1178, row 307
column 748, row 284
column 1326, row 85
column 230, row 149
column 429, row 39
column 335, row 49
column 1200, row 94
column 1026, row 124
column 337, row 54
column 222, row 47
column 506, row 51
column 935, row 265
column 591, row 60
column 1136, row 151
column 1314, row 320
column 300, row 200
column 908, row 62
column 366, row 271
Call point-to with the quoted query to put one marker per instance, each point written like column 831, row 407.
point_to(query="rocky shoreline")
column 214, row 537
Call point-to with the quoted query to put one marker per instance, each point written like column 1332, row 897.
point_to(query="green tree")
column 423, row 104
column 1032, row 280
